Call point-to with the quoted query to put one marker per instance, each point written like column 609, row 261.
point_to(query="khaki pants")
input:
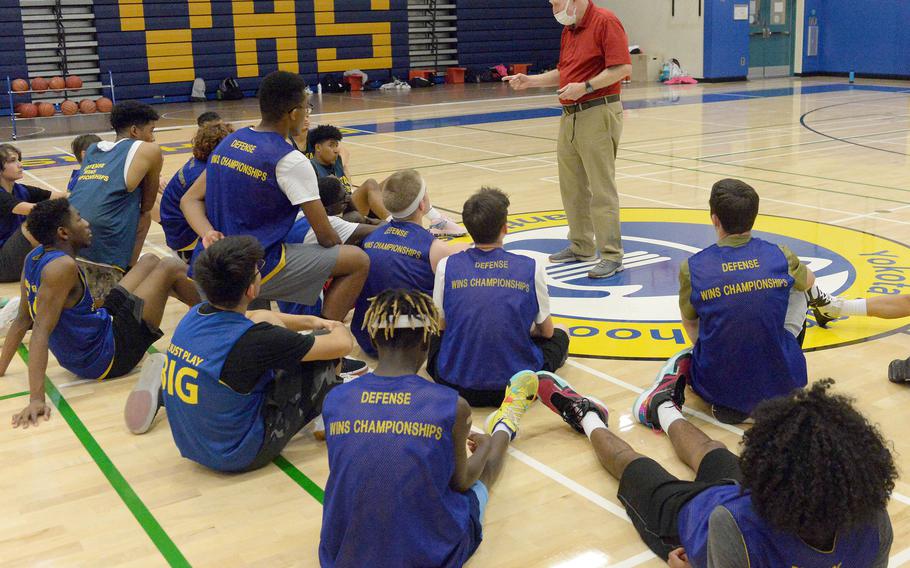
column 586, row 152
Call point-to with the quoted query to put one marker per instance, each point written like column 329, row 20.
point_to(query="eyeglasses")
column 307, row 110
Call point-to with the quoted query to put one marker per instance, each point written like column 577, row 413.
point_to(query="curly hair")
column 322, row 133
column 388, row 306
column 46, row 217
column 207, row 137
column 814, row 464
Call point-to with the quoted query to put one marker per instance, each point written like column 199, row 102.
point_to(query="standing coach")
column 593, row 59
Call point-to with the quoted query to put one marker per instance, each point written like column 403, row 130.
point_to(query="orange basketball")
column 28, row 110
column 73, row 82
column 39, row 84
column 68, row 107
column 20, row 85
column 104, row 104
column 87, row 106
column 57, row 84
column 46, row 109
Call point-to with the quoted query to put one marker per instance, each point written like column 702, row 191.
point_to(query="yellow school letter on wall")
column 281, row 25
column 380, row 31
column 169, row 53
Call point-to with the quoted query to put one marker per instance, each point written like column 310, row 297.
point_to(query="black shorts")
column 132, row 334
column 653, row 497
column 555, row 351
column 12, row 256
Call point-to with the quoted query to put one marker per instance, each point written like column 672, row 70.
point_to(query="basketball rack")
column 11, row 93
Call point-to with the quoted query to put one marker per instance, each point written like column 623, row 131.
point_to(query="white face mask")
column 563, row 16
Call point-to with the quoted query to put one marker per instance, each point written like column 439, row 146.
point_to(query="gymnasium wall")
column 651, row 25
column 157, row 47
column 507, row 31
column 869, row 37
column 12, row 46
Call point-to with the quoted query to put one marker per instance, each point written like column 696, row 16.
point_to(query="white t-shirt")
column 297, row 179
column 540, row 287
column 344, row 229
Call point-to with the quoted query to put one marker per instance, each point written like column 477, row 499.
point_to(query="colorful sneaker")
column 559, row 396
column 520, row 393
column 445, row 227
column 670, row 385
column 145, row 399
column 826, row 308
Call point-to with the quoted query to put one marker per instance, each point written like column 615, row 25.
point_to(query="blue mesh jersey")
column 83, row 341
column 764, row 545
column 336, row 169
column 243, row 196
column 102, row 198
column 388, row 501
column 177, row 232
column 743, row 355
column 11, row 223
column 399, row 258
column 212, row 424
column 490, row 303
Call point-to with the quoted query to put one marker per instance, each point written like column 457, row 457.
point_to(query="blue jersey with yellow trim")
column 388, row 500
column 764, row 545
column 177, row 232
column 242, row 192
column 11, row 223
column 83, row 341
column 743, row 355
column 399, row 258
column 212, row 424
column 74, row 176
column 102, row 198
column 490, row 303
column 336, row 169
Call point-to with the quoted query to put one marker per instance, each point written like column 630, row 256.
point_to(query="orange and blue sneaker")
column 670, row 385
column 521, row 392
column 559, row 396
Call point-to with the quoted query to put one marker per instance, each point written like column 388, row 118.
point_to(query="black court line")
column 802, row 121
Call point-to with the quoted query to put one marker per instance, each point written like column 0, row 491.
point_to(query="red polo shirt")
column 596, row 42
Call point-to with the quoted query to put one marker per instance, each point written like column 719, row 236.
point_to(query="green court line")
column 300, row 478
column 14, row 395
column 146, row 520
column 288, row 468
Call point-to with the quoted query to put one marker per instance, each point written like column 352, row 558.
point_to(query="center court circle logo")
column 635, row 314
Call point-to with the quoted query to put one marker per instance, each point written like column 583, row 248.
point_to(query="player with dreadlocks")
column 809, row 490
column 397, row 451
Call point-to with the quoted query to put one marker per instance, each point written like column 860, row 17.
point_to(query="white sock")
column 591, row 422
column 667, row 414
column 434, row 215
column 501, row 427
column 854, row 308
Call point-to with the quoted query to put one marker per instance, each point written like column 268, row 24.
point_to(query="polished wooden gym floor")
column 80, row 490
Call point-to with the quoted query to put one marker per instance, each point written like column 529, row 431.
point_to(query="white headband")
column 403, row 322
column 404, row 213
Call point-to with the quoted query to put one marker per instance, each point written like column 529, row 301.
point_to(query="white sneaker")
column 445, row 227
column 143, row 403
column 8, row 314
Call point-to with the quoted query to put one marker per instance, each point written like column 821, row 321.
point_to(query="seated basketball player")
column 179, row 236
column 402, row 490
column 255, row 184
column 79, row 146
column 209, row 118
column 335, row 199
column 237, row 384
column 116, row 187
column 810, row 489
column 16, row 200
column 402, row 254
column 329, row 157
column 743, row 306
column 496, row 310
column 58, row 307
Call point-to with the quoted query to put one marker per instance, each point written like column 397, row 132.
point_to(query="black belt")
column 577, row 107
